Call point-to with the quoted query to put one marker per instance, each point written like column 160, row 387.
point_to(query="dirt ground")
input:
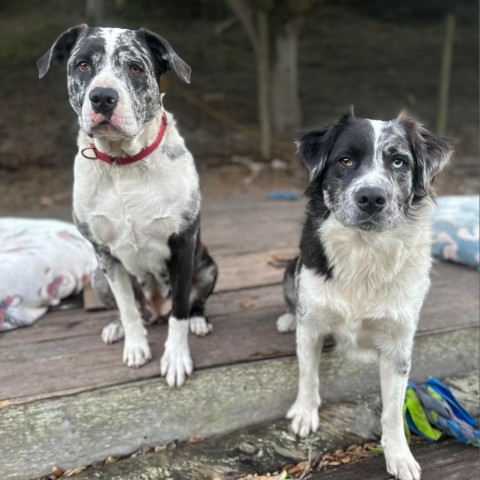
column 346, row 56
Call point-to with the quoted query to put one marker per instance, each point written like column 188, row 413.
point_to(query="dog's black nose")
column 104, row 100
column 371, row 199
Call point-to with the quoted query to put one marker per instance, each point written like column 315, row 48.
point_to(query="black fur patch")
column 289, row 289
column 312, row 252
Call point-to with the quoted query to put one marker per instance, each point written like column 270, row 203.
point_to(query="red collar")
column 129, row 159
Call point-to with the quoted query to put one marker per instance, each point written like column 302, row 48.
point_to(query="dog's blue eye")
column 398, row 163
column 345, row 162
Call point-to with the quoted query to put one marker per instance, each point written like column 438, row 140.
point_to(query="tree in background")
column 273, row 27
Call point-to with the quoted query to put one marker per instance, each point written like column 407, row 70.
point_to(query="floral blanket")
column 42, row 261
column 456, row 230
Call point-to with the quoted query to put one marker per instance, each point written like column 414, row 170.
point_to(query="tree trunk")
column 263, row 72
column 285, row 96
column 95, row 12
column 445, row 74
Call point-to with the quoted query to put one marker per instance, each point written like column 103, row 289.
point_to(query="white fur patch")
column 113, row 332
column 286, row 323
column 304, row 418
column 176, row 363
column 401, row 463
column 199, row 326
column 136, row 351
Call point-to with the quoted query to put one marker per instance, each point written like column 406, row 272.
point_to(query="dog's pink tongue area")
column 96, row 119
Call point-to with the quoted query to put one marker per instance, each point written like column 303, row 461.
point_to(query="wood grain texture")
column 444, row 461
column 63, row 352
column 79, row 429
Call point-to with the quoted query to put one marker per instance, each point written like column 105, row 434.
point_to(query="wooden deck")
column 444, row 461
column 66, row 398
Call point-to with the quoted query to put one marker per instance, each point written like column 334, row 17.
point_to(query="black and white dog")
column 363, row 269
column 136, row 190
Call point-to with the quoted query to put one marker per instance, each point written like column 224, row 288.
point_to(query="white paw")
column 199, row 326
column 113, row 332
column 286, row 323
column 304, row 419
column 176, row 363
column 402, row 465
column 175, row 366
column 136, row 351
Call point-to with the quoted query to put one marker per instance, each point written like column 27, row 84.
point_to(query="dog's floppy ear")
column 165, row 55
column 61, row 48
column 314, row 146
column 431, row 153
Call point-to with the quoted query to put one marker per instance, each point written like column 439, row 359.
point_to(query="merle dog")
column 363, row 269
column 136, row 190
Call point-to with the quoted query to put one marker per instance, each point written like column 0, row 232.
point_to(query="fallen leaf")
column 74, row 471
column 300, row 467
column 192, row 440
column 46, row 201
column 247, row 302
column 57, row 471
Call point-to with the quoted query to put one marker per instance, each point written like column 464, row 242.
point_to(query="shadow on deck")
column 66, row 398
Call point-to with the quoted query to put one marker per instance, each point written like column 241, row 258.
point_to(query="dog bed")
column 42, row 262
column 456, row 230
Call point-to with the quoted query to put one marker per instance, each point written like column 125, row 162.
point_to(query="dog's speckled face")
column 370, row 172
column 113, row 77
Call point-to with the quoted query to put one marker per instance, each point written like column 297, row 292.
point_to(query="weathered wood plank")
column 121, row 419
column 447, row 461
column 35, row 364
column 266, row 447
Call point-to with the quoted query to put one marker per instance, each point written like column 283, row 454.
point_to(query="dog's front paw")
column 402, row 465
column 304, row 419
column 200, row 326
column 286, row 323
column 175, row 365
column 136, row 351
column 113, row 332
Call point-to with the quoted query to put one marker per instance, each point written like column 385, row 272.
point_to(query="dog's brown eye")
column 135, row 69
column 345, row 162
column 84, row 66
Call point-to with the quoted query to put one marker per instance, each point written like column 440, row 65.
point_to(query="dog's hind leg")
column 287, row 322
column 204, row 279
column 113, row 332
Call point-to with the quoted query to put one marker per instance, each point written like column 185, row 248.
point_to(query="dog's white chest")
column 378, row 285
column 134, row 209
